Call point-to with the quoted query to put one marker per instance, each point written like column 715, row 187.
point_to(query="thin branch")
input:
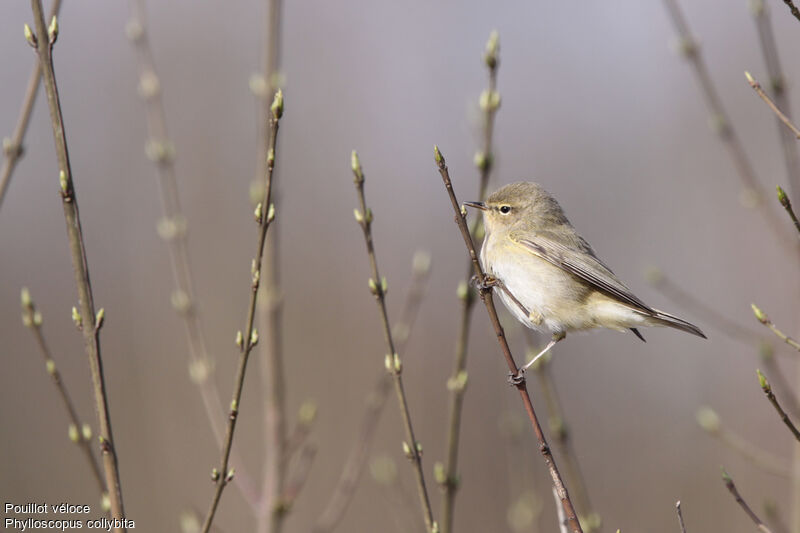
column 764, row 96
column 557, row 422
column 726, row 478
column 484, row 160
column 271, row 510
column 12, row 146
column 562, row 520
column 79, row 433
column 765, row 386
column 173, row 229
column 777, row 85
column 264, row 214
column 721, row 121
column 764, row 319
column 521, row 386
column 793, row 8
column 776, row 375
column 343, row 491
column 90, row 322
column 680, row 516
column 787, row 206
column 411, row 447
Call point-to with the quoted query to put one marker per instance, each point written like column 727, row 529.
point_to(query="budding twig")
column 44, row 40
column 765, row 386
column 378, row 287
column 522, row 388
column 726, row 478
column 764, row 319
column 764, row 96
column 680, row 516
column 249, row 338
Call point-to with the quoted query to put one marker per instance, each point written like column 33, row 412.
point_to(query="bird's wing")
column 582, row 264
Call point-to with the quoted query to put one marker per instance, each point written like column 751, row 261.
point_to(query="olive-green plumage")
column 549, row 277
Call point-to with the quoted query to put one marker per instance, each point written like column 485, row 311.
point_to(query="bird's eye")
column 505, row 209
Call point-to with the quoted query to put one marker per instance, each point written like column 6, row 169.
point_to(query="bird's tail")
column 666, row 319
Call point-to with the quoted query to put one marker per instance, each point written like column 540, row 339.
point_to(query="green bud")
column 438, row 156
column 763, row 318
column 421, row 262
column 387, row 362
column 762, row 380
column 30, row 37
column 782, row 197
column 359, row 216
column 373, row 287
column 37, row 318
column 86, row 432
column 100, row 318
column 463, row 290
column 149, row 86
column 180, row 301
column 52, row 30
column 458, row 382
column 62, row 181
column 199, row 371
column 254, row 337
column 492, row 48
column 489, row 101
column 355, row 166
column 72, row 431
column 435, row 527
column 726, row 477
column 258, row 85
column 271, row 212
column 750, row 79
column 407, row 450
column 50, row 365
column 229, row 476
column 234, row 406
column 214, row 474
column 258, row 213
column 25, row 298
column 239, row 338
column 76, row 318
column 277, row 105
column 384, row 286
column 397, row 365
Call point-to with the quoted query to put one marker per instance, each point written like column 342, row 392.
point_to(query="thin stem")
column 271, row 510
column 778, row 87
column 726, row 478
column 776, row 374
column 764, row 96
column 377, row 285
column 265, row 214
column 521, row 386
column 79, row 433
column 764, row 319
column 793, row 8
column 173, row 228
column 12, row 146
column 765, row 386
column 721, row 121
column 43, row 41
column 557, row 423
column 680, row 516
column 484, row 160
column 343, row 491
column 783, row 198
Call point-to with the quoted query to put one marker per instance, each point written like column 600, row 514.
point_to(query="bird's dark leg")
column 488, row 282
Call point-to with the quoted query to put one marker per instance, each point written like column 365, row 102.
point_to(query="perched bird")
column 549, row 277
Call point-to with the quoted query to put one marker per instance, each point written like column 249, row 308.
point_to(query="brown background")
column 596, row 106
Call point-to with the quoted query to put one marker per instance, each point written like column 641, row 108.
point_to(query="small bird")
column 549, row 277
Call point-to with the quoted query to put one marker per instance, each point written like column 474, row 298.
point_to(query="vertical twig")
column 79, row 433
column 591, row 521
column 448, row 478
column 173, row 229
column 90, row 323
column 271, row 510
column 342, row 492
column 726, row 478
column 720, row 120
column 12, row 146
column 264, row 214
column 777, row 85
column 522, row 387
column 378, row 287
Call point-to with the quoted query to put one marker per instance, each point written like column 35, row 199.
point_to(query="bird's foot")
column 515, row 380
column 487, row 283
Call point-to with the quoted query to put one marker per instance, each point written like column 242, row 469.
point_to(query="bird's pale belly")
column 549, row 299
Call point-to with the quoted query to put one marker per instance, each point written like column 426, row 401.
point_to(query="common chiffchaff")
column 548, row 275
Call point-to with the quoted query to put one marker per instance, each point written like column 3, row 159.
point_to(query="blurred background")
column 597, row 106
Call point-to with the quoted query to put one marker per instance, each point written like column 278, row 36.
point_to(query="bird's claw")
column 484, row 285
column 516, row 379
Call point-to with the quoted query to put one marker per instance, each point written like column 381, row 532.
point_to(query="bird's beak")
column 477, row 205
